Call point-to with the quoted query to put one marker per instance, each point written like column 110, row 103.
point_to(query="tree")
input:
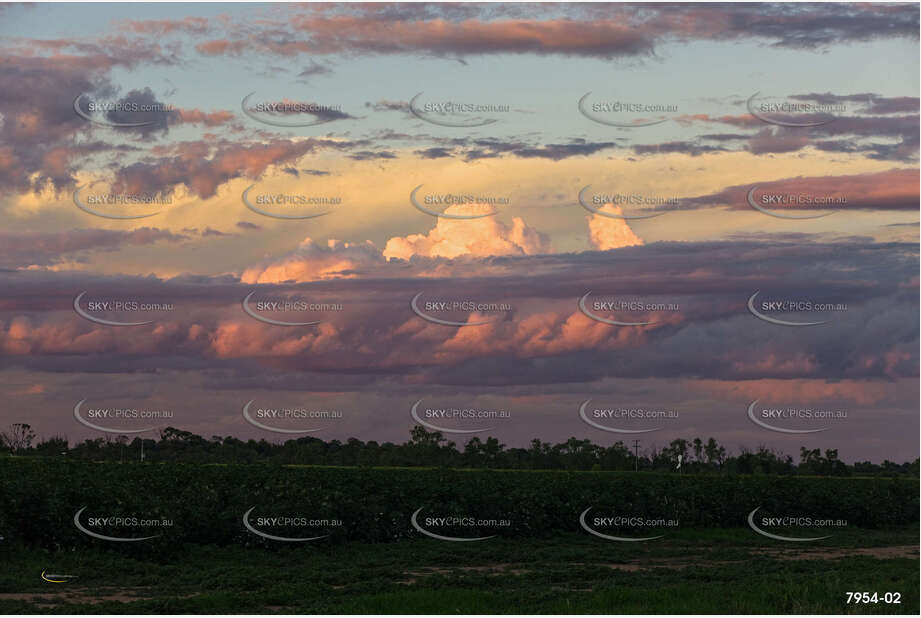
column 678, row 448
column 714, row 452
column 53, row 446
column 18, row 437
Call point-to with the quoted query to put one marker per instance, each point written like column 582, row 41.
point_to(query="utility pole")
column 142, row 449
column 636, row 456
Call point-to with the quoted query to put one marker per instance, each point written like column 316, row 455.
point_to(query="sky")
column 627, row 205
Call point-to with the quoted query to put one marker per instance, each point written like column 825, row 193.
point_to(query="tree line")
column 432, row 449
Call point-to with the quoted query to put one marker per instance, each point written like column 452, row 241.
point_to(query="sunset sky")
column 702, row 68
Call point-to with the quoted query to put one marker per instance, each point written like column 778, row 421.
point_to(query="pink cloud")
column 452, row 238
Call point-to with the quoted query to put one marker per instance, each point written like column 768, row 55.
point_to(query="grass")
column 690, row 571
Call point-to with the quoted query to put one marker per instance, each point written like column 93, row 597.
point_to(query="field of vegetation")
column 371, row 559
column 205, row 503
column 693, row 571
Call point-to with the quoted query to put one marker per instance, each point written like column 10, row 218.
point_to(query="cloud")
column 161, row 27
column 603, row 31
column 209, row 119
column 895, row 189
column 203, row 166
column 312, row 69
column 869, row 129
column 859, row 393
column 25, row 249
column 683, row 147
column 376, row 34
column 544, row 337
column 872, row 103
column 487, row 236
column 370, row 155
column 607, row 233
column 312, row 261
column 487, row 148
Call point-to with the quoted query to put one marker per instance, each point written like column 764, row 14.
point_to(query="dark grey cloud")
column 545, row 338
column 372, row 155
column 24, row 249
column 682, row 147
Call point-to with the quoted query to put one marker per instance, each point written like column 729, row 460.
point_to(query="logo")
column 619, row 107
column 122, row 200
column 104, row 537
column 585, row 418
column 104, row 413
column 294, row 200
column 445, row 306
column 333, row 112
column 447, row 108
column 415, row 202
column 777, row 537
column 443, row 521
column 766, row 318
column 751, row 416
column 106, row 306
column 780, row 200
column 273, row 414
column 782, row 123
column 611, row 215
column 598, row 318
column 117, row 107
column 261, row 318
column 415, row 414
column 272, row 537
column 609, row 537
column 56, row 578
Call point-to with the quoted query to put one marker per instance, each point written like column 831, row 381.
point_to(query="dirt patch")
column 82, row 596
column 74, row 595
column 780, row 553
column 492, row 569
column 831, row 553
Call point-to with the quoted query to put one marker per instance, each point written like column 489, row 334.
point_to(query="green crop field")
column 371, row 558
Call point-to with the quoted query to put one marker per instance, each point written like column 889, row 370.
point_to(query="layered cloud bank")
column 694, row 298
